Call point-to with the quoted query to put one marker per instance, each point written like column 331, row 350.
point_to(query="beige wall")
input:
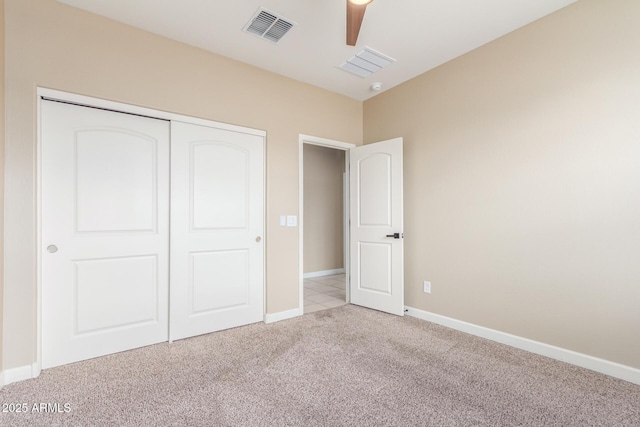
column 52, row 45
column 323, row 208
column 2, row 64
column 522, row 166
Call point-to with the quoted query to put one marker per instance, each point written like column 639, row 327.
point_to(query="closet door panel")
column 105, row 232
column 220, row 179
column 217, row 229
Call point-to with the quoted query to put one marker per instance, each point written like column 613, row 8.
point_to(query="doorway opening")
column 324, row 219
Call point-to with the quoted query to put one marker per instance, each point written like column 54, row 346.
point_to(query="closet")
column 150, row 230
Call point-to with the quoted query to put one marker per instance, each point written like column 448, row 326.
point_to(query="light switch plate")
column 427, row 287
column 292, row 221
column 283, row 220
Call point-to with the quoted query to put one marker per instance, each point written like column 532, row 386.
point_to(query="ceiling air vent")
column 268, row 25
column 366, row 62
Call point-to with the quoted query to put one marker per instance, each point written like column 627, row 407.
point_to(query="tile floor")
column 324, row 292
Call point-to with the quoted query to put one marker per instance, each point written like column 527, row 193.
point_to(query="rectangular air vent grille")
column 366, row 62
column 268, row 25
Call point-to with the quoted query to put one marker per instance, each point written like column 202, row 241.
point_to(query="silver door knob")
column 258, row 239
column 52, row 249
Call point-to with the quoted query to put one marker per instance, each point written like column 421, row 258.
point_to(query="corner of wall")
column 2, row 109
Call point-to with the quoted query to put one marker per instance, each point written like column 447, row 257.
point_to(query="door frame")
column 338, row 145
column 92, row 102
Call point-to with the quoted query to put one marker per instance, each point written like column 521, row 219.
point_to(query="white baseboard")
column 322, row 273
column 603, row 366
column 283, row 315
column 1, row 379
column 20, row 374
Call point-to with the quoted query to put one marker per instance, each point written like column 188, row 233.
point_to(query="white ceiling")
column 419, row 34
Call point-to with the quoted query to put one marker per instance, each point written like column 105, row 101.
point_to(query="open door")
column 376, row 243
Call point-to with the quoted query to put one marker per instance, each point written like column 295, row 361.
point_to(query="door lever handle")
column 394, row 235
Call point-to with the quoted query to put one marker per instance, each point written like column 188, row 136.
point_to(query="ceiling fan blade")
column 355, row 14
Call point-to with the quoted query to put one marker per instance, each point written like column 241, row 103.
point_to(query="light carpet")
column 346, row 366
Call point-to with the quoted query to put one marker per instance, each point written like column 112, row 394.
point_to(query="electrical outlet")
column 427, row 287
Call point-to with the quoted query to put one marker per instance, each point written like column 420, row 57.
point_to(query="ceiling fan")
column 355, row 14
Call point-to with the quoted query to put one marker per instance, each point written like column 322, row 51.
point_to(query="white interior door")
column 105, row 230
column 217, row 229
column 377, row 250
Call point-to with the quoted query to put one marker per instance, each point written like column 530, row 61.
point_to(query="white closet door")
column 105, row 224
column 217, row 229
